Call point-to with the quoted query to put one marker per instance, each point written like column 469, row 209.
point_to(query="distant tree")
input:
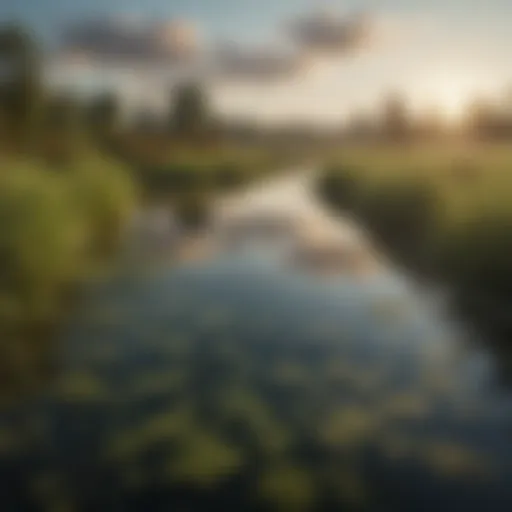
column 505, row 113
column 396, row 120
column 21, row 93
column 481, row 118
column 146, row 121
column 62, row 112
column 507, row 99
column 432, row 124
column 190, row 112
column 103, row 114
column 64, row 127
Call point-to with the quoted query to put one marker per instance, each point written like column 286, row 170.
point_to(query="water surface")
column 244, row 381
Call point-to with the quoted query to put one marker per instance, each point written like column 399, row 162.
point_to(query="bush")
column 54, row 225
column 404, row 216
column 402, row 213
column 104, row 194
column 41, row 236
column 477, row 256
column 340, row 188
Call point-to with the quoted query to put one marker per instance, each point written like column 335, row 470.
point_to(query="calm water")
column 244, row 382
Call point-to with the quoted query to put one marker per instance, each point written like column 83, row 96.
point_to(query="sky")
column 440, row 54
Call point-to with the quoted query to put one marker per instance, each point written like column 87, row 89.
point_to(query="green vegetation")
column 188, row 179
column 203, row 460
column 287, row 488
column 70, row 175
column 444, row 212
column 56, row 227
column 166, row 427
column 190, row 113
column 81, row 388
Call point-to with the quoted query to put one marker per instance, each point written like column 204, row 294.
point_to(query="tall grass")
column 445, row 212
column 56, row 225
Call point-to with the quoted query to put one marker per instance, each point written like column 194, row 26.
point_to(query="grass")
column 444, row 211
column 189, row 176
column 58, row 224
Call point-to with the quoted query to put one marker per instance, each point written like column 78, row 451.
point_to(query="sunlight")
column 453, row 97
column 451, row 92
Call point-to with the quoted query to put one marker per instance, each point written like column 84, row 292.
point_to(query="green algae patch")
column 203, row 460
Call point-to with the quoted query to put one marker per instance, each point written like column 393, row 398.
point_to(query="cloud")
column 239, row 63
column 131, row 40
column 312, row 37
column 328, row 33
column 175, row 48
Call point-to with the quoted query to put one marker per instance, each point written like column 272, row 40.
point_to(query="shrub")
column 104, row 194
column 340, row 188
column 53, row 223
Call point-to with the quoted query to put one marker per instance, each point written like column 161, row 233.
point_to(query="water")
column 245, row 381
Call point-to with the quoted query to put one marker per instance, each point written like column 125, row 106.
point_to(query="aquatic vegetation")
column 453, row 459
column 51, row 493
column 339, row 372
column 203, row 460
column 106, row 315
column 133, row 476
column 9, row 441
column 77, row 387
column 349, row 427
column 287, row 488
column 408, row 405
column 49, row 488
column 151, row 383
column 162, row 428
column 291, row 374
column 254, row 421
column 216, row 317
column 397, row 445
column 349, row 485
column 175, row 345
column 100, row 353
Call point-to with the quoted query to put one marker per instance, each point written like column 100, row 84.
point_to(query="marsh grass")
column 444, row 212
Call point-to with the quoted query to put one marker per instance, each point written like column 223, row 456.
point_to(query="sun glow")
column 450, row 92
column 453, row 100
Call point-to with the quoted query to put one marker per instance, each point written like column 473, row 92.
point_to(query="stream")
column 277, row 361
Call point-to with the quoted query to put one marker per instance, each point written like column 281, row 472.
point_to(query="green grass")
column 445, row 211
column 58, row 224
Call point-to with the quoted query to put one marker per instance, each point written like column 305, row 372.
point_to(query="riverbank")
column 444, row 216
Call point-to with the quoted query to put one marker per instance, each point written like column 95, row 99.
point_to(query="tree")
column 64, row 127
column 103, row 114
column 481, row 118
column 190, row 114
column 432, row 123
column 21, row 86
column 396, row 122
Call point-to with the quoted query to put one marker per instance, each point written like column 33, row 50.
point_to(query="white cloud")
column 326, row 32
column 131, row 41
